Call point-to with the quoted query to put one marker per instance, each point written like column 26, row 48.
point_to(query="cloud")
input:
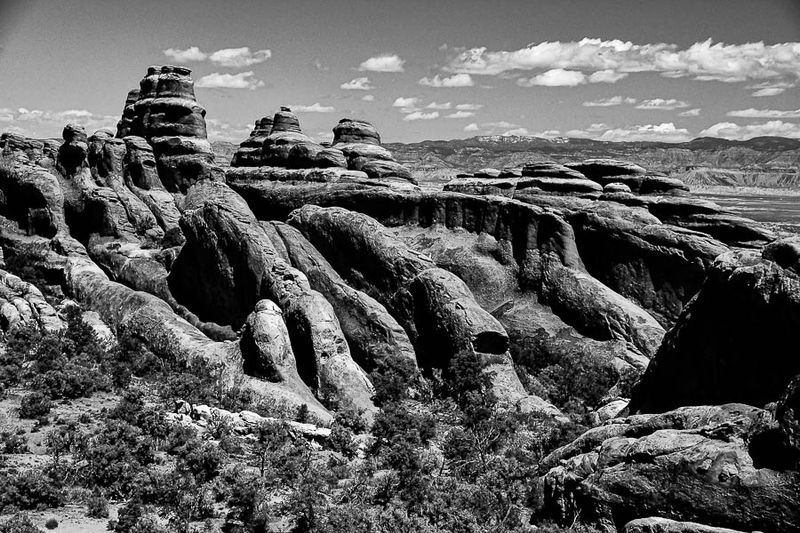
column 607, row 76
column 500, row 125
column 469, row 107
column 219, row 130
column 317, row 64
column 557, row 77
column 239, row 57
column 368, row 97
column 473, row 126
column 314, row 108
column 357, row 84
column 461, row 114
column 769, row 91
column 609, row 102
column 663, row 104
column 406, row 104
column 664, row 132
column 192, row 53
column 517, row 132
column 606, row 60
column 441, row 107
column 764, row 113
column 419, row 115
column 456, row 80
column 730, row 130
column 49, row 123
column 242, row 80
column 690, row 112
column 383, row 63
column 226, row 57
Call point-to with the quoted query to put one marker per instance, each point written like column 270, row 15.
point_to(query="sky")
column 434, row 69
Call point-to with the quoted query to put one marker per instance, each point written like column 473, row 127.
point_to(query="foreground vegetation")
column 440, row 456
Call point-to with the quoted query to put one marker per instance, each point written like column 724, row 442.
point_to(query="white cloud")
column 403, row 101
column 520, row 132
column 663, row 104
column 239, row 57
column 456, row 80
column 224, row 131
column 242, row 80
column 368, row 97
column 227, row 57
column 607, row 76
column 419, row 115
column 441, row 107
column 690, row 112
column 607, row 59
column 357, row 84
column 48, row 123
column 461, row 114
column 609, row 102
column 383, row 63
column 468, row 107
column 764, row 113
column 473, row 126
column 314, row 108
column 192, row 53
column 500, row 125
column 730, row 130
column 664, row 132
column 557, row 77
column 769, row 91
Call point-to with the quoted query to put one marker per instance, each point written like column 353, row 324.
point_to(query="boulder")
column 72, row 154
column 616, row 187
column 249, row 152
column 550, row 169
column 698, row 464
column 23, row 305
column 355, row 131
column 128, row 125
column 597, row 169
column 665, row 525
column 285, row 120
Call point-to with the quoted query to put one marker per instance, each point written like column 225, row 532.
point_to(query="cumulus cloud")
column 49, row 123
column 664, row 132
column 517, row 132
column 368, row 97
column 456, row 80
column 219, row 130
column 502, row 124
column 461, row 114
column 608, row 59
column 383, row 63
column 403, row 101
column 357, row 84
column 690, row 112
column 314, row 108
column 663, row 104
column 420, row 115
column 764, row 113
column 192, row 53
column 242, row 80
column 473, row 126
column 609, row 102
column 606, row 76
column 468, row 107
column 731, row 130
column 557, row 77
column 226, row 57
column 239, row 57
column 441, row 107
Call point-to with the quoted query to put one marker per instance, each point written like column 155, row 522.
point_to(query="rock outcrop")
column 734, row 342
column 708, row 465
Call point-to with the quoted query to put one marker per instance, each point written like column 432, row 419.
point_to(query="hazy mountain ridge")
column 761, row 161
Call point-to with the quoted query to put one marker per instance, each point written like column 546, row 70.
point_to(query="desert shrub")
column 392, row 378
column 51, row 523
column 12, row 442
column 20, row 344
column 203, row 461
column 19, row 523
column 29, row 490
column 577, row 382
column 303, row 414
column 351, row 419
column 97, row 506
column 341, row 440
column 34, row 405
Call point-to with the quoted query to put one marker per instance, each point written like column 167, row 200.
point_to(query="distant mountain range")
column 759, row 162
column 706, row 161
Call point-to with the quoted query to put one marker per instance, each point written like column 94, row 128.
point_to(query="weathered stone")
column 285, row 120
column 355, row 131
